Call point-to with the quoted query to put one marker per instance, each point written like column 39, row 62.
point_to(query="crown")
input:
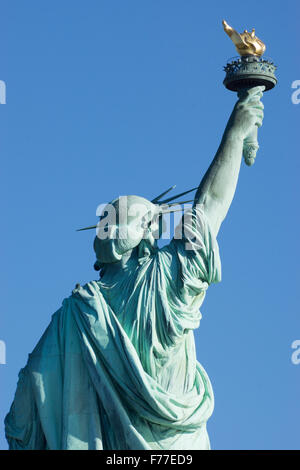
column 165, row 206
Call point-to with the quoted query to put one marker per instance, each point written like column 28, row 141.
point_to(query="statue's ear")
column 97, row 266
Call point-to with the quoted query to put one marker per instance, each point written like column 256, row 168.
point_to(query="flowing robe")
column 116, row 368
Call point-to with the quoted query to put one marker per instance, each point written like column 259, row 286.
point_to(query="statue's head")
column 124, row 223
column 130, row 222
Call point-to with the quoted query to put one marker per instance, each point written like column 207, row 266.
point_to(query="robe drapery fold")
column 116, row 368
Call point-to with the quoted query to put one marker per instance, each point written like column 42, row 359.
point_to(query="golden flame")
column 245, row 43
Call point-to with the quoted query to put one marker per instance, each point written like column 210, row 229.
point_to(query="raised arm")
column 218, row 185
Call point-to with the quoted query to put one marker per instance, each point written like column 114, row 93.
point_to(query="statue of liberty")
column 116, row 368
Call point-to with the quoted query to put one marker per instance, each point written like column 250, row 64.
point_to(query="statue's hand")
column 247, row 113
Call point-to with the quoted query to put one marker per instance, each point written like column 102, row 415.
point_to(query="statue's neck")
column 128, row 263
column 130, row 260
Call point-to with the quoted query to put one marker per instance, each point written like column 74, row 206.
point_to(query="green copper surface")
column 116, row 367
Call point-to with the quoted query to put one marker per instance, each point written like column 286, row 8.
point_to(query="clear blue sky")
column 116, row 97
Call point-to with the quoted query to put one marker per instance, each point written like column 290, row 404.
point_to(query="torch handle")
column 250, row 147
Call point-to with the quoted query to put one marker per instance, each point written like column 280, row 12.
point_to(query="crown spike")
column 178, row 203
column 156, row 199
column 86, row 228
column 177, row 195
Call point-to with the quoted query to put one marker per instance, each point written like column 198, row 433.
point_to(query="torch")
column 248, row 70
